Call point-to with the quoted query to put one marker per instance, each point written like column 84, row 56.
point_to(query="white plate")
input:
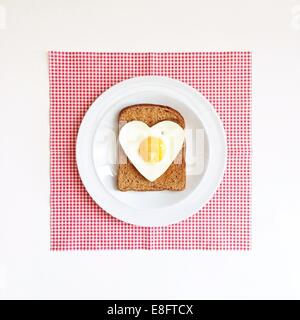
column 96, row 152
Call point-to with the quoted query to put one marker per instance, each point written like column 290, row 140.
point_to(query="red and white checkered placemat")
column 78, row 78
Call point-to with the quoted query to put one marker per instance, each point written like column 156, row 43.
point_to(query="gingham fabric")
column 78, row 78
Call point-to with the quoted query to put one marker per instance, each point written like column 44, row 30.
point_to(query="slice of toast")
column 128, row 176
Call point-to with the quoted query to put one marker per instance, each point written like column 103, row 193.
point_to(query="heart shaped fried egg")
column 151, row 149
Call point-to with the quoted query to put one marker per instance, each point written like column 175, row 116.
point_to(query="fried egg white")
column 151, row 149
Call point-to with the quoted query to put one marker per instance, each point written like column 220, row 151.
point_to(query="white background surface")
column 271, row 28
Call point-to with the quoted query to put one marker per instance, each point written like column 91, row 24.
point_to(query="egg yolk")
column 152, row 149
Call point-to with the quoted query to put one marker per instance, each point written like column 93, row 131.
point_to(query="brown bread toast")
column 128, row 176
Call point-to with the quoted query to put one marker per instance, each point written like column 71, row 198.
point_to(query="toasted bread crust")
column 128, row 176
